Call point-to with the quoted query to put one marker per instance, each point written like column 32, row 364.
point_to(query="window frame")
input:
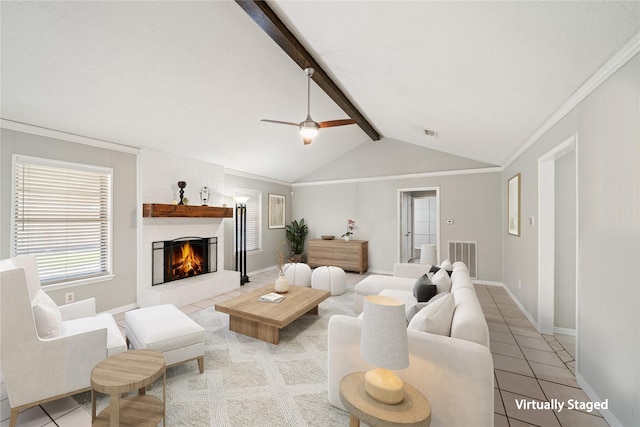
column 80, row 280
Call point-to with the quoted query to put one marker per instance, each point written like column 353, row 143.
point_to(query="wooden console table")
column 352, row 255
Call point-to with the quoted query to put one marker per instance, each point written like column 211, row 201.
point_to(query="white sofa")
column 404, row 277
column 454, row 372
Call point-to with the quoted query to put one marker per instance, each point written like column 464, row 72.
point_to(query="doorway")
column 558, row 239
column 419, row 221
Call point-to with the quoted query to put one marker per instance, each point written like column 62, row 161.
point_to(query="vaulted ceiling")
column 195, row 78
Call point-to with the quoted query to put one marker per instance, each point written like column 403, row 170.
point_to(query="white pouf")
column 332, row 279
column 168, row 330
column 298, row 274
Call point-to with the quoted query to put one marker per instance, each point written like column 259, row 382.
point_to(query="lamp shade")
column 384, row 333
column 428, row 254
column 241, row 199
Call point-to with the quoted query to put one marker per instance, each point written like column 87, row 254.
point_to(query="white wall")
column 159, row 176
column 472, row 200
column 271, row 238
column 390, row 157
column 121, row 290
column 607, row 125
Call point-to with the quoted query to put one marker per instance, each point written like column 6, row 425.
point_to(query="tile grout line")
column 528, row 364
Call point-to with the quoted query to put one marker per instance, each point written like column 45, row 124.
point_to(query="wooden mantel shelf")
column 160, row 210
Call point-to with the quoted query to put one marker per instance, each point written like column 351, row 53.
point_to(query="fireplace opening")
column 184, row 257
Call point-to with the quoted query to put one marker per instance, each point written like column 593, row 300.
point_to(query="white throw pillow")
column 416, row 307
column 442, row 281
column 435, row 318
column 446, row 264
column 47, row 316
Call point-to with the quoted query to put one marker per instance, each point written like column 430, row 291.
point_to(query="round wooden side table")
column 123, row 373
column 413, row 411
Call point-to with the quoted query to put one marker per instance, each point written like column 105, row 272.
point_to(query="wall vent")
column 466, row 252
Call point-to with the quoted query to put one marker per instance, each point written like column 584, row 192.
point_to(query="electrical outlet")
column 69, row 297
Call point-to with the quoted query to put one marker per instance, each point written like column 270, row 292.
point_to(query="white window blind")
column 62, row 213
column 254, row 217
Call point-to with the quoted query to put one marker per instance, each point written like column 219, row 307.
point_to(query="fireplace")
column 182, row 258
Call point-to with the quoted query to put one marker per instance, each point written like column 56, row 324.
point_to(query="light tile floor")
column 527, row 365
column 531, row 366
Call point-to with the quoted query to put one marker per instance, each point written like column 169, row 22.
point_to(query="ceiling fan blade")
column 281, row 123
column 306, row 141
column 332, row 123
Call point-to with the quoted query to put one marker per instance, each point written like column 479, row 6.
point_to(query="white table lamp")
column 384, row 344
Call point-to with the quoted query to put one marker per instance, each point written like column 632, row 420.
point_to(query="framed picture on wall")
column 276, row 211
column 513, row 205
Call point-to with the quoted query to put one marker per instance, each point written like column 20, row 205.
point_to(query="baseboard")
column 122, row 309
column 263, row 270
column 564, row 331
column 533, row 321
column 487, row 282
column 593, row 396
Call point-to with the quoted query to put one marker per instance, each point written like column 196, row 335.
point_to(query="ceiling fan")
column 309, row 127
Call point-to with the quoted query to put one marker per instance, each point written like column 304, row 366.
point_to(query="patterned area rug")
column 248, row 382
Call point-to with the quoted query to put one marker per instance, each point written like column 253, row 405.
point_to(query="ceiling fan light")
column 309, row 130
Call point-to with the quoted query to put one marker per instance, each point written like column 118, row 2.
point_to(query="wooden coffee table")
column 263, row 320
column 122, row 373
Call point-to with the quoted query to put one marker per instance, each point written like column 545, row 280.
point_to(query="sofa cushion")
column 459, row 265
column 46, row 315
column 435, row 318
column 115, row 340
column 424, row 290
column 468, row 321
column 442, row 280
column 460, row 279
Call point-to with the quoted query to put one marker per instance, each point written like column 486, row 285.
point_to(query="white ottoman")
column 298, row 274
column 168, row 330
column 332, row 279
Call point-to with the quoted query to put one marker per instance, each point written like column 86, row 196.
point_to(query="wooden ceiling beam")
column 271, row 24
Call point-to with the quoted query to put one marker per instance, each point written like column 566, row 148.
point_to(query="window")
column 254, row 217
column 62, row 213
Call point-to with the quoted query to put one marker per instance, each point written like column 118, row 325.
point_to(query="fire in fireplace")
column 184, row 257
column 186, row 262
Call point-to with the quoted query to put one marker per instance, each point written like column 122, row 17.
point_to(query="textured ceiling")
column 195, row 78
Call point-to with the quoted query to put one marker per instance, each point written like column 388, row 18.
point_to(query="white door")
column 406, row 224
column 418, row 218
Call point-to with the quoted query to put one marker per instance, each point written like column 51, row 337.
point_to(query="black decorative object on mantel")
column 241, row 238
column 181, row 185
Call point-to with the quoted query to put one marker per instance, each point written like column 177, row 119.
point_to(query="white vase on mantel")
column 282, row 284
column 347, row 238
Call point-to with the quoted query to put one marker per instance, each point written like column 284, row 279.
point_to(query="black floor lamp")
column 241, row 238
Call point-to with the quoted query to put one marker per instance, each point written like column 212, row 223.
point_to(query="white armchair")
column 48, row 352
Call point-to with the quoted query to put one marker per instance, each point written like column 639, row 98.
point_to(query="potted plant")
column 297, row 233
